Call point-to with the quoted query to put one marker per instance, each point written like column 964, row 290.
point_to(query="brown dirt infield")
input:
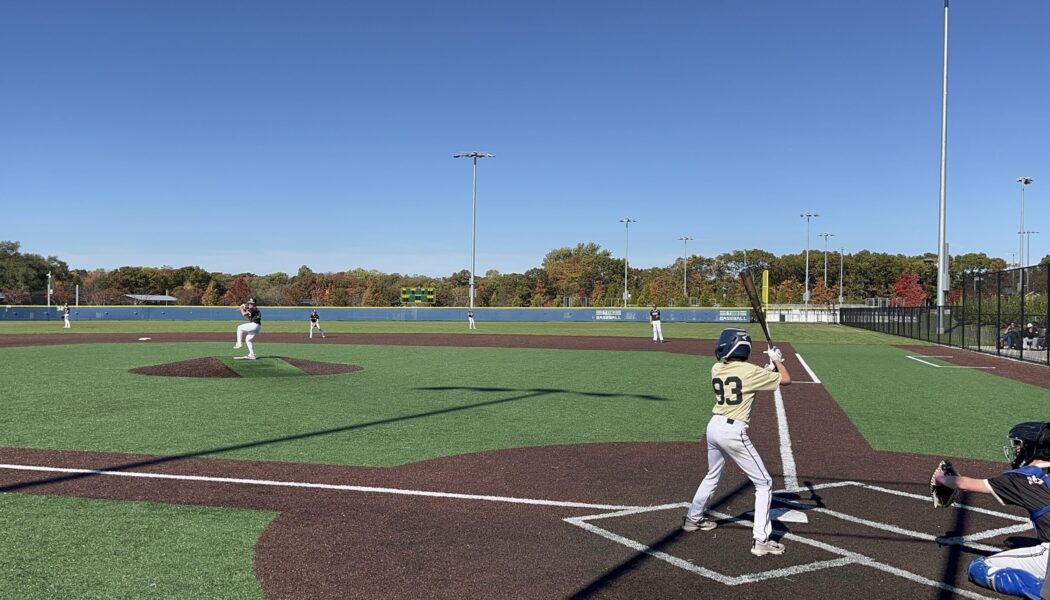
column 870, row 518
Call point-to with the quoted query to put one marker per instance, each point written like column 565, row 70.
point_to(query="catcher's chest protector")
column 1031, row 471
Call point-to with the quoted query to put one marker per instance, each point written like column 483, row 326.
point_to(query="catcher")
column 246, row 332
column 1019, row 571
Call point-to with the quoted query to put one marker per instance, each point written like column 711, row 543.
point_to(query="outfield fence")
column 294, row 313
column 991, row 313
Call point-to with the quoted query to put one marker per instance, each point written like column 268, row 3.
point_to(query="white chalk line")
column 847, row 557
column 935, row 365
column 805, row 366
column 787, row 456
column 318, row 486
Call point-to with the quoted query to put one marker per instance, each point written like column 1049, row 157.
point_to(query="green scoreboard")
column 417, row 295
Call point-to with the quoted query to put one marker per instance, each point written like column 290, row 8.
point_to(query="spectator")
column 1012, row 337
column 1031, row 337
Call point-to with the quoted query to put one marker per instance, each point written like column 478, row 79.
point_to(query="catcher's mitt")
column 942, row 495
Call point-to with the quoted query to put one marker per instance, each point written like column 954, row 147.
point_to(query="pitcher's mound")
column 264, row 366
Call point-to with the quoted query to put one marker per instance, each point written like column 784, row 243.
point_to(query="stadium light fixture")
column 685, row 260
column 805, row 293
column 825, row 235
column 626, row 244
column 473, row 212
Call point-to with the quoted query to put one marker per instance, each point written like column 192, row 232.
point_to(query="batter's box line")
column 847, row 557
column 926, row 362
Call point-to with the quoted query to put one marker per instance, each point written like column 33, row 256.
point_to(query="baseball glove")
column 942, row 495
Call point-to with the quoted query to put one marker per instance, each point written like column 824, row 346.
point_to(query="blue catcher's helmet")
column 733, row 343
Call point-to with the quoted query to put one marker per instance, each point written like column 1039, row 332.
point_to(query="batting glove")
column 774, row 354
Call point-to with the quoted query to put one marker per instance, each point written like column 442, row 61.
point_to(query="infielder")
column 470, row 320
column 65, row 316
column 1019, row 571
column 248, row 331
column 654, row 319
column 735, row 382
column 315, row 323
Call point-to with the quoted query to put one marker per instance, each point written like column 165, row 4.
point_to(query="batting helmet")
column 733, row 343
column 1027, row 441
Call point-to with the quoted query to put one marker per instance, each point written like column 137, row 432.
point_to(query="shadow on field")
column 528, row 394
column 596, row 587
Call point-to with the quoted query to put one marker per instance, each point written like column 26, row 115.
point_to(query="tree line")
column 584, row 275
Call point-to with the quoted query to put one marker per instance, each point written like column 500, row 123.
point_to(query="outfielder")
column 65, row 316
column 735, row 382
column 470, row 320
column 654, row 319
column 248, row 331
column 1019, row 571
column 315, row 323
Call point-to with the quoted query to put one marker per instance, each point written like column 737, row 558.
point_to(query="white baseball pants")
column 247, row 332
column 729, row 439
column 658, row 332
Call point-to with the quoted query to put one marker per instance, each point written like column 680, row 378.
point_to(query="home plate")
column 785, row 515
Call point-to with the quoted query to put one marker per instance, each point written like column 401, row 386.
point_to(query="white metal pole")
column 685, row 261
column 49, row 289
column 473, row 227
column 942, row 258
column 841, row 252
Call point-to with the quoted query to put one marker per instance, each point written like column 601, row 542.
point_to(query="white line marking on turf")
column 848, row 557
column 787, row 457
column 805, row 366
column 926, row 362
column 321, row 486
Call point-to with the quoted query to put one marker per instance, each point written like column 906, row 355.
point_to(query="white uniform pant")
column 247, row 332
column 316, row 325
column 470, row 323
column 65, row 320
column 1030, row 560
column 658, row 332
column 730, row 440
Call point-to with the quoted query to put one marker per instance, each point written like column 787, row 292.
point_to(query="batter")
column 735, row 382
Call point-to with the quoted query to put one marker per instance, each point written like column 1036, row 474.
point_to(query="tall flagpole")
column 942, row 250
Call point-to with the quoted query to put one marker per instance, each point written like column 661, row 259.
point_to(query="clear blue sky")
column 263, row 135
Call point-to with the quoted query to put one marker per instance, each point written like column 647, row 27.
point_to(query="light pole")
column 473, row 212
column 825, row 235
column 49, row 289
column 942, row 241
column 1028, row 248
column 842, row 251
column 805, row 294
column 626, row 245
column 1020, row 231
column 685, row 260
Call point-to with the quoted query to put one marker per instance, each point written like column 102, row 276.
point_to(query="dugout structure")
column 417, row 296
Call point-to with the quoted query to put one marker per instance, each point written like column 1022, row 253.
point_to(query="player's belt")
column 730, row 421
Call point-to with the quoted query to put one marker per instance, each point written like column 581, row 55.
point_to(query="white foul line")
column 805, row 366
column 926, row 362
column 787, row 457
column 319, row 486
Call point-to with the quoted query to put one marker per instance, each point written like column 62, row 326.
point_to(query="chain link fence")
column 1005, row 313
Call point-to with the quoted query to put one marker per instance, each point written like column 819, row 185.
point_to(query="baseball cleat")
column 767, row 547
column 237, row 346
column 702, row 525
column 250, row 357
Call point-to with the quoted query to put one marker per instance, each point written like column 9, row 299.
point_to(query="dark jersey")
column 65, row 311
column 1027, row 491
column 314, row 317
column 254, row 315
column 654, row 315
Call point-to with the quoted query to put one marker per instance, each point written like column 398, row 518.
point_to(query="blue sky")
column 260, row 136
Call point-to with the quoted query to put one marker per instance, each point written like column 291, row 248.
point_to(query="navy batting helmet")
column 733, row 343
column 1027, row 441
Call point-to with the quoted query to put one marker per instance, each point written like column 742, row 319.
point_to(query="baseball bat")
column 748, row 279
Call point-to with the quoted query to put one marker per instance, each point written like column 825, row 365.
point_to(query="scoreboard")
column 417, row 295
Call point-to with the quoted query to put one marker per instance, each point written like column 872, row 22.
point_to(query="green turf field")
column 408, row 404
